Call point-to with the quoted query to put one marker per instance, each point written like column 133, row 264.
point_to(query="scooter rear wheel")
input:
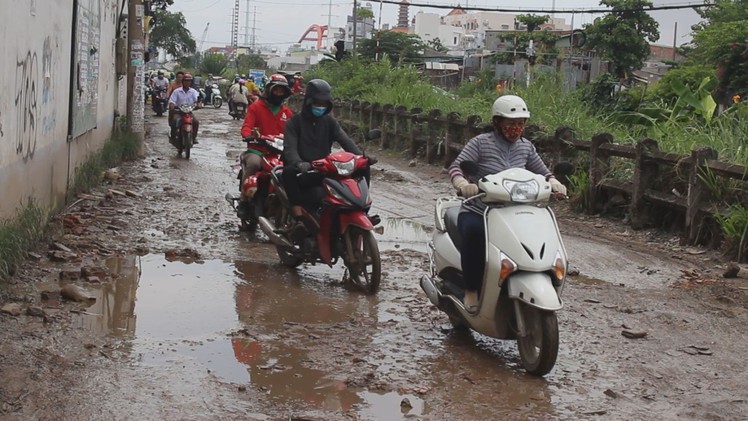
column 539, row 348
column 363, row 263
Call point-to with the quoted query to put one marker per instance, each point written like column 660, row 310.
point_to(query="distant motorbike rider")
column 238, row 95
column 495, row 151
column 309, row 136
column 179, row 97
column 208, row 88
column 229, row 92
column 158, row 83
column 265, row 117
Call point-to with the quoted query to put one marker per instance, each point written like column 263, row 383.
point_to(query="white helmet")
column 510, row 106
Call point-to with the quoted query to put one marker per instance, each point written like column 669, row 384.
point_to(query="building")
column 64, row 66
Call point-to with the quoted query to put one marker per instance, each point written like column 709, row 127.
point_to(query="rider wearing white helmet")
column 493, row 152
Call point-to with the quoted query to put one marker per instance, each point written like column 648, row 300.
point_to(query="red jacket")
column 260, row 116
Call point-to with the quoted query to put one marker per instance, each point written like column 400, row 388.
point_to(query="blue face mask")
column 319, row 111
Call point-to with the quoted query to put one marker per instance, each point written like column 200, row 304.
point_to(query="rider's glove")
column 466, row 188
column 303, row 166
column 372, row 159
column 557, row 187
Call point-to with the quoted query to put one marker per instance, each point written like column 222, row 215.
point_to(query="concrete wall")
column 36, row 158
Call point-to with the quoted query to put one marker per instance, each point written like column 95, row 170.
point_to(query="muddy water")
column 305, row 342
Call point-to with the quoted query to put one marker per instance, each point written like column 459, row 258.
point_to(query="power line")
column 519, row 10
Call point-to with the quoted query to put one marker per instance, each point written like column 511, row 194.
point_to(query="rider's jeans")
column 473, row 249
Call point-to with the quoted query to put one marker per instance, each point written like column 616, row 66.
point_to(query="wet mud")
column 194, row 319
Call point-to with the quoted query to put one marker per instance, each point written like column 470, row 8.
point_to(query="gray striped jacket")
column 494, row 154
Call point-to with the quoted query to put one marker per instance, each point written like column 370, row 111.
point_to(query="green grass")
column 29, row 226
column 123, row 146
column 19, row 234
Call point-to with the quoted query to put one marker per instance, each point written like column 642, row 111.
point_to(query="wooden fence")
column 654, row 188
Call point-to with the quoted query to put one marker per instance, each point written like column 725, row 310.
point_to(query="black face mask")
column 275, row 100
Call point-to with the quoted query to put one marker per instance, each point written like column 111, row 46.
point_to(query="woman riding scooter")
column 502, row 148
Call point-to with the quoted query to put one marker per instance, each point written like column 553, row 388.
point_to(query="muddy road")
column 193, row 319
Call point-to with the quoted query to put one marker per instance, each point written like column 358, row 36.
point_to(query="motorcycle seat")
column 450, row 221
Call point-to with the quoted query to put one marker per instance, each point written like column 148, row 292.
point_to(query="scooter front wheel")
column 538, row 349
column 362, row 259
column 217, row 102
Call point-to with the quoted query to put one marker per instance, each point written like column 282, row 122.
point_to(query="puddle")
column 398, row 233
column 245, row 322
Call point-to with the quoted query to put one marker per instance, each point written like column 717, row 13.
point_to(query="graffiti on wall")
column 25, row 101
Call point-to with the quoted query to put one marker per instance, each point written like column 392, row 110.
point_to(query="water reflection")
column 248, row 323
column 403, row 233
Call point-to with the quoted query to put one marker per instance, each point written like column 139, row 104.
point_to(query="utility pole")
column 136, row 70
column 246, row 26
column 254, row 26
column 355, row 19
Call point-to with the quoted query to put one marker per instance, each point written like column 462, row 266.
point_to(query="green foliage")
column 122, row 146
column 734, row 224
column 364, row 13
column 215, row 64
column 532, row 22
column 244, row 62
column 623, row 35
column 725, row 44
column 19, row 234
column 169, row 32
column 436, row 45
column 579, row 188
column 660, row 119
column 400, row 47
column 690, row 75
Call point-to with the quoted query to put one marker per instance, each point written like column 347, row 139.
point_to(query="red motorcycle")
column 257, row 187
column 186, row 132
column 341, row 228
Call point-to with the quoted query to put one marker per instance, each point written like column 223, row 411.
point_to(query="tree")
column 364, row 13
column 533, row 22
column 623, row 35
column 400, row 47
column 215, row 63
column 436, row 45
column 244, row 62
column 721, row 40
column 169, row 33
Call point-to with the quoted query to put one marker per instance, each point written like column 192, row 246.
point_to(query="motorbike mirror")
column 373, row 134
column 469, row 167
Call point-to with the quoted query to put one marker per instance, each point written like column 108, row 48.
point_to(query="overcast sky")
column 280, row 23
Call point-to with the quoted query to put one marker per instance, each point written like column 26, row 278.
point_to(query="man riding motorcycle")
column 309, row 136
column 266, row 117
column 179, row 97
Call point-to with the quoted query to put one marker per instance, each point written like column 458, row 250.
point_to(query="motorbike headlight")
column 345, row 168
column 522, row 191
column 186, row 108
column 507, row 267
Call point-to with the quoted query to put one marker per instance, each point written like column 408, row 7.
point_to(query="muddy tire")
column 288, row 259
column 457, row 325
column 217, row 102
column 362, row 260
column 539, row 349
column 187, row 143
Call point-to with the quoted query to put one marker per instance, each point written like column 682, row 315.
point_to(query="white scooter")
column 526, row 265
